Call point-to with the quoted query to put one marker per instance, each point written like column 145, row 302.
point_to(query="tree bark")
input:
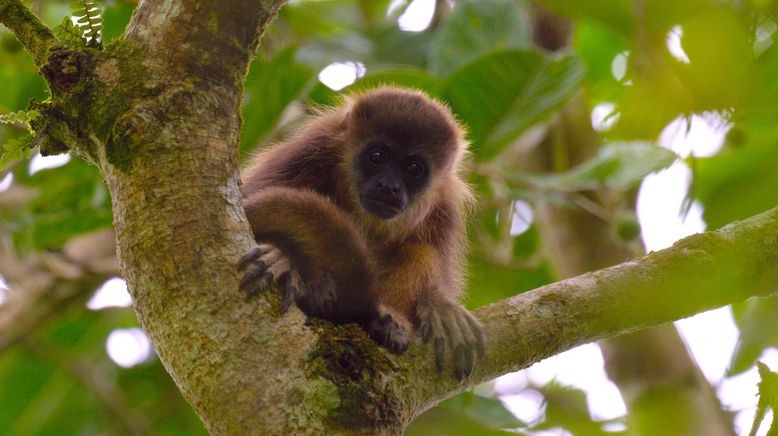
column 159, row 114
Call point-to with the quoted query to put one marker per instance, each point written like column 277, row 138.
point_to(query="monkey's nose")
column 389, row 188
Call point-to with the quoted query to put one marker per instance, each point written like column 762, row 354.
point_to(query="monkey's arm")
column 424, row 283
column 319, row 258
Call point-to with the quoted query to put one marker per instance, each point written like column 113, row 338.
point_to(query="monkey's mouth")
column 381, row 208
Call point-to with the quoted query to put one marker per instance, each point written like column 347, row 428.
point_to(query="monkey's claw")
column 447, row 324
column 387, row 332
column 264, row 265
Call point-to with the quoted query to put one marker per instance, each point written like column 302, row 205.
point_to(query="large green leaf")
column 270, row 87
column 621, row 165
column 116, row 17
column 478, row 27
column 498, row 96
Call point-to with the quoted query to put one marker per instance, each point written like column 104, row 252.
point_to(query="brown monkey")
column 360, row 219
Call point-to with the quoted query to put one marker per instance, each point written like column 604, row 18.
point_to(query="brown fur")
column 302, row 196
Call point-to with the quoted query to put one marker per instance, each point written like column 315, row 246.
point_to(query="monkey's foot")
column 447, row 324
column 264, row 265
column 389, row 333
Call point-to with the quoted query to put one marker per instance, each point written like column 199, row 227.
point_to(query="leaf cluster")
column 22, row 147
column 83, row 27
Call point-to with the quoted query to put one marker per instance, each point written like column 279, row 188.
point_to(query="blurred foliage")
column 768, row 399
column 478, row 57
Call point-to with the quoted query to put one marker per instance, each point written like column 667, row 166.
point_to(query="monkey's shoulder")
column 310, row 164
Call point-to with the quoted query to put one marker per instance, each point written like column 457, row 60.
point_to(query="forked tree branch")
column 35, row 36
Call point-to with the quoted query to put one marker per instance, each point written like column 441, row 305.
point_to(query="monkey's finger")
column 286, row 301
column 272, row 255
column 264, row 247
column 473, row 333
column 480, row 342
column 259, row 285
column 437, row 328
column 397, row 336
column 289, row 290
column 400, row 345
column 457, row 342
column 464, row 363
column 249, row 258
column 252, row 275
column 439, row 353
column 426, row 332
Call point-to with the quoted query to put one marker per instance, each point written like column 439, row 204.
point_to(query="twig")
column 35, row 36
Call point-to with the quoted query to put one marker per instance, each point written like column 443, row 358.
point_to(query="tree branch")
column 35, row 36
column 698, row 273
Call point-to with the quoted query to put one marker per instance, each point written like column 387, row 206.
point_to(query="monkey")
column 360, row 217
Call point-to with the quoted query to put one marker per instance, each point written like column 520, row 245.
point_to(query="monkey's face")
column 389, row 179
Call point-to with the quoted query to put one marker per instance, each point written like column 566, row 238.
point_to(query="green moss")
column 115, row 120
column 213, row 23
column 324, row 393
column 357, row 368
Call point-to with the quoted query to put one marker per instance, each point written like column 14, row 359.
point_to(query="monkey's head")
column 403, row 145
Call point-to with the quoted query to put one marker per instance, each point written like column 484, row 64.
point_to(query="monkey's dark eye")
column 414, row 169
column 377, row 157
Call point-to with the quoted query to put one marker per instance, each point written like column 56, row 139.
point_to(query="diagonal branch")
column 35, row 36
column 698, row 273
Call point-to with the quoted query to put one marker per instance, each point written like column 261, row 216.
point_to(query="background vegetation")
column 520, row 75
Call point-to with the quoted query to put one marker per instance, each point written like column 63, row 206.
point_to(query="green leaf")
column 738, row 182
column 567, row 407
column 758, row 326
column 768, row 398
column 620, row 165
column 441, row 421
column 116, row 19
column 498, row 96
column 597, row 45
column 69, row 32
column 271, row 86
column 489, row 412
column 15, row 149
column 475, row 28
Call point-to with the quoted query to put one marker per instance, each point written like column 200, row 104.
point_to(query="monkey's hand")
column 388, row 330
column 448, row 324
column 267, row 264
column 264, row 265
